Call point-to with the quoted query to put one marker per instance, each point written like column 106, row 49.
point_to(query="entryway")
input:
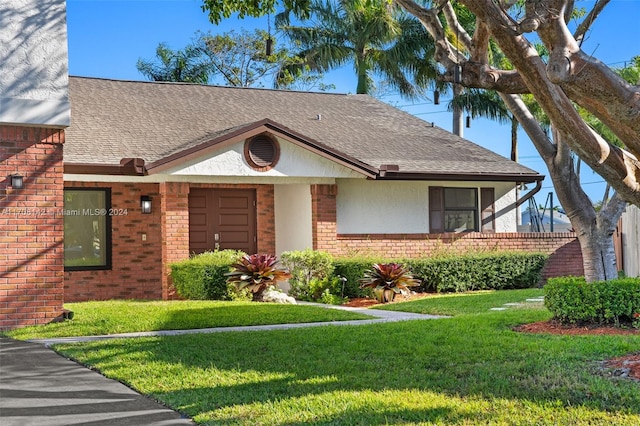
column 222, row 219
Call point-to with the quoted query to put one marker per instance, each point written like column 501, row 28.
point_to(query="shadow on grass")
column 477, row 357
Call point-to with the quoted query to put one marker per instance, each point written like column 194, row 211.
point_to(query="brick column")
column 323, row 217
column 31, row 226
column 174, row 210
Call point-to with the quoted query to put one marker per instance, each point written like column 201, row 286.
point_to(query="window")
column 87, row 229
column 457, row 209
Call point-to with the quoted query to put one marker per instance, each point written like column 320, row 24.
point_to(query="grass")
column 126, row 316
column 464, row 303
column 472, row 369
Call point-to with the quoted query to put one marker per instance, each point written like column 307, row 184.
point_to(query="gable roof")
column 112, row 120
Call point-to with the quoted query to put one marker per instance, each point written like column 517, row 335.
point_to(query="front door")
column 222, row 219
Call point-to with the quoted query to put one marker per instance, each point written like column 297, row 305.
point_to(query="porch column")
column 32, row 224
column 323, row 217
column 174, row 210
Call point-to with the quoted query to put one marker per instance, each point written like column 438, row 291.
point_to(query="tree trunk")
column 457, row 113
column 598, row 255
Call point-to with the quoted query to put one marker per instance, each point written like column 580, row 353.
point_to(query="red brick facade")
column 144, row 245
column 136, row 271
column 31, row 226
column 564, row 248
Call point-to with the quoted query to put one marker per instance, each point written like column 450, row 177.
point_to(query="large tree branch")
column 616, row 166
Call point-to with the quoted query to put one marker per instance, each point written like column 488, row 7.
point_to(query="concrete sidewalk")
column 40, row 387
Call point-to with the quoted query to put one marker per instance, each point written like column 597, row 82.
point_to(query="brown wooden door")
column 222, row 219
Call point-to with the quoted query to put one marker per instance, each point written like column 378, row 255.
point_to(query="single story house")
column 260, row 171
column 104, row 183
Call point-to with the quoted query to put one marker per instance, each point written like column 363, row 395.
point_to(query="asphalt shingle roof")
column 112, row 119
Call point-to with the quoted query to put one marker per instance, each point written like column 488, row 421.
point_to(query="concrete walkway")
column 40, row 387
column 378, row 314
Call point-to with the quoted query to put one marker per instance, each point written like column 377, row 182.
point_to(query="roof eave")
column 477, row 176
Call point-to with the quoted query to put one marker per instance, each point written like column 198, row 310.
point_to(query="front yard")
column 471, row 369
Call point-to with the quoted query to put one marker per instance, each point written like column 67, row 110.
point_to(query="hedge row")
column 491, row 271
column 202, row 277
column 572, row 300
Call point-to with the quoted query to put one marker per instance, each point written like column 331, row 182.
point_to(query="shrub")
column 488, row 271
column 572, row 300
column 256, row 273
column 388, row 279
column 202, row 277
column 353, row 269
column 306, row 266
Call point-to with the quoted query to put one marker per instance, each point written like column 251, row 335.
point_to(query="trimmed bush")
column 306, row 266
column 572, row 300
column 353, row 269
column 489, row 271
column 202, row 277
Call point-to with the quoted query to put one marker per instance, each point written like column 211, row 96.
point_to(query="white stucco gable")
column 294, row 161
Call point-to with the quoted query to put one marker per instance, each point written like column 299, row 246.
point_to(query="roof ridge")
column 217, row 86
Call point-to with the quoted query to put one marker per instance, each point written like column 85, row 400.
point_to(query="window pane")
column 460, row 198
column 460, row 220
column 85, row 228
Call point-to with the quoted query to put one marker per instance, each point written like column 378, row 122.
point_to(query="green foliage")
column 202, row 277
column 353, row 269
column 388, row 279
column 572, row 300
column 490, row 271
column 255, row 273
column 305, row 266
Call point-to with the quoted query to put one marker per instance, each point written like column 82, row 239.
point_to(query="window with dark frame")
column 457, row 209
column 87, row 229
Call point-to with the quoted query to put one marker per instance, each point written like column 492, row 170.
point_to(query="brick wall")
column 174, row 230
column 136, row 263
column 31, row 227
column 564, row 248
column 140, row 269
column 324, row 217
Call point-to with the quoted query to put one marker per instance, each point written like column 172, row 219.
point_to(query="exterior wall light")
column 17, row 182
column 145, row 204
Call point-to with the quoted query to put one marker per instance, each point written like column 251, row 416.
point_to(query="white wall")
column 294, row 161
column 293, row 217
column 34, row 63
column 373, row 207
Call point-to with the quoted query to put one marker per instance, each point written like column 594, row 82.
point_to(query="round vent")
column 261, row 152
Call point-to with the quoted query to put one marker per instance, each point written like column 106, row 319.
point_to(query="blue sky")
column 107, row 37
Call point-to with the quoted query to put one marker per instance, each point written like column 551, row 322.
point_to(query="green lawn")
column 126, row 316
column 472, row 369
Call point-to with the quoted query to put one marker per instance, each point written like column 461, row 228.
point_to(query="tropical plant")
column 256, row 272
column 175, row 65
column 379, row 39
column 387, row 280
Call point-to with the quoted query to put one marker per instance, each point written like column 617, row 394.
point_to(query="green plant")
column 387, row 280
column 305, row 266
column 573, row 300
column 255, row 273
column 202, row 277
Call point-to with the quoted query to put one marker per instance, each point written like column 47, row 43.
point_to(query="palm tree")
column 175, row 65
column 380, row 40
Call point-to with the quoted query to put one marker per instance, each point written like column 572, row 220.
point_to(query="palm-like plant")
column 256, row 272
column 387, row 280
column 377, row 38
column 176, row 65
